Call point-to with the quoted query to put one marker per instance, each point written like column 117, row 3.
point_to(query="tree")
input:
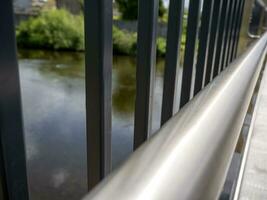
column 129, row 9
column 162, row 9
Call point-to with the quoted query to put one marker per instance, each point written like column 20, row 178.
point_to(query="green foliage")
column 162, row 9
column 60, row 30
column 81, row 3
column 123, row 42
column 161, row 46
column 53, row 29
column 129, row 9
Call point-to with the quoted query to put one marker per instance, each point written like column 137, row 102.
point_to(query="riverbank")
column 59, row 30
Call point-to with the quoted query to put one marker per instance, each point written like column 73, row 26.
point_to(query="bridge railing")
column 188, row 158
column 190, row 154
column 208, row 51
column 212, row 40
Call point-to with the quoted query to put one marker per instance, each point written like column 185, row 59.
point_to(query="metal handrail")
column 188, row 158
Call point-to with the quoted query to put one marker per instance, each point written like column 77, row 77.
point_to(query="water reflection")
column 54, row 116
column 123, row 85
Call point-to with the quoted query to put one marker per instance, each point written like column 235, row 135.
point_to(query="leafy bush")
column 60, row 30
column 129, row 9
column 124, row 42
column 161, row 46
column 53, row 29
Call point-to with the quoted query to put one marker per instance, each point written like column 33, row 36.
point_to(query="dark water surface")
column 53, row 98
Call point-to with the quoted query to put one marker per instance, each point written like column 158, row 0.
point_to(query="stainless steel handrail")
column 189, row 156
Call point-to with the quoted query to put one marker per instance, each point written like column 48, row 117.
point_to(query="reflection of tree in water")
column 124, row 88
column 65, row 64
column 71, row 65
column 160, row 67
column 50, row 55
column 73, row 69
column 123, row 85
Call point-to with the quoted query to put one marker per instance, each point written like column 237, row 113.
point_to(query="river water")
column 53, row 99
column 53, row 102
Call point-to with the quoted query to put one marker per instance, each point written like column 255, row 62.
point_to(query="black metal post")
column 226, row 35
column 239, row 28
column 232, row 23
column 237, row 14
column 13, row 172
column 98, row 54
column 145, row 71
column 213, row 38
column 175, row 23
column 190, row 50
column 3, row 183
column 222, row 30
column 204, row 37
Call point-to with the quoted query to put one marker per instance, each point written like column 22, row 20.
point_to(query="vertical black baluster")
column 204, row 36
column 98, row 54
column 256, row 17
column 175, row 22
column 145, row 71
column 13, row 173
column 239, row 28
column 3, row 183
column 235, row 30
column 226, row 35
column 222, row 27
column 232, row 22
column 213, row 38
column 190, row 50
